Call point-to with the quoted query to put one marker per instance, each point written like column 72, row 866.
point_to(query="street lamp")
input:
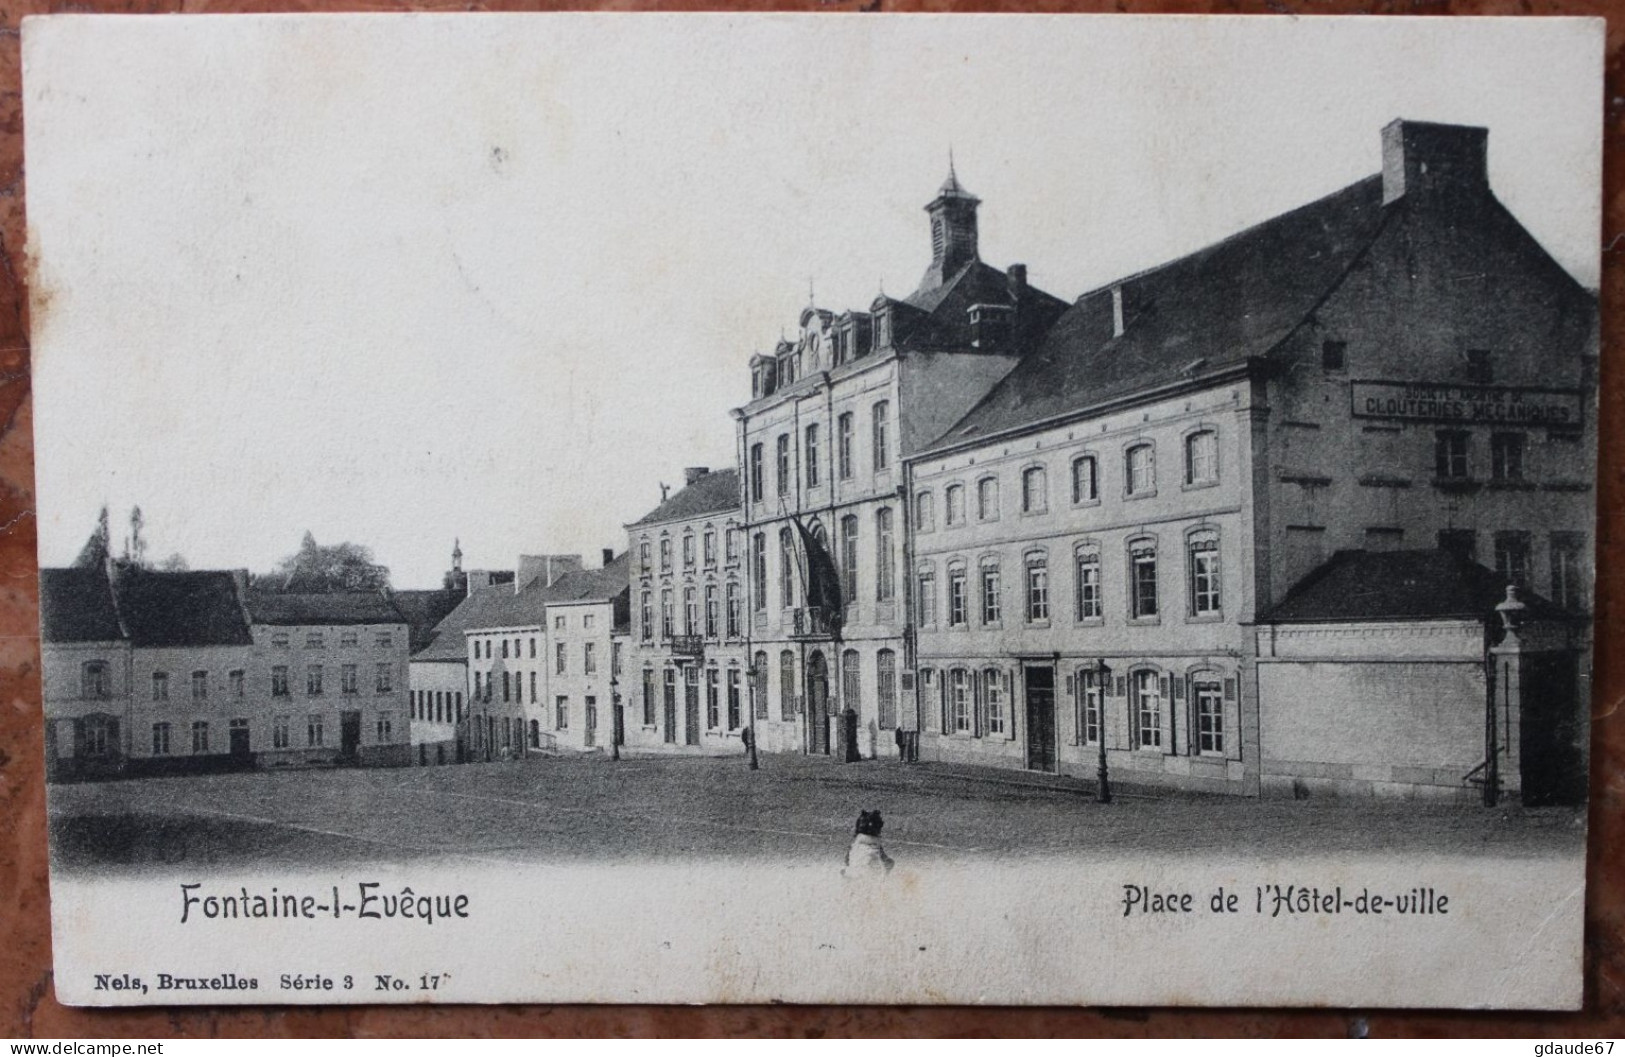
column 754, row 674
column 1103, row 787
column 615, row 725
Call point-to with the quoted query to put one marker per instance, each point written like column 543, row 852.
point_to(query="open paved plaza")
column 794, row 807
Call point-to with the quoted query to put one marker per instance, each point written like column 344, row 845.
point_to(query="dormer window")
column 883, row 329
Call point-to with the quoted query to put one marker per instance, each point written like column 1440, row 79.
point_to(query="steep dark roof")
column 423, row 611
column 478, row 609
column 939, row 317
column 76, row 605
column 182, row 609
column 358, row 607
column 591, row 584
column 1358, row 585
column 715, row 493
column 1203, row 313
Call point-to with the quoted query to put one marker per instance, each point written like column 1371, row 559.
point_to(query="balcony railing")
column 810, row 622
column 687, row 646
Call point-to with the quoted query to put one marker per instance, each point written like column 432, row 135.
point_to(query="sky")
column 401, row 280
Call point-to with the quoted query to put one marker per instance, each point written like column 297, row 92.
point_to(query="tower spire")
column 953, row 229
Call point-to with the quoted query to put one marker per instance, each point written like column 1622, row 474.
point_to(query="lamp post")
column 614, row 718
column 1103, row 787
column 753, row 674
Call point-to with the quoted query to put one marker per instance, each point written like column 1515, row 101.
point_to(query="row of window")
column 283, row 734
column 708, row 538
column 349, row 679
column 791, row 703
column 976, row 703
column 316, row 640
column 845, row 558
column 1514, row 559
column 692, row 624
column 980, row 599
column 811, row 468
column 1454, row 455
column 438, row 706
column 1139, row 480
column 723, row 710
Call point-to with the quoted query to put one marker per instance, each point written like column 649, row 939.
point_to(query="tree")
column 175, row 563
column 97, row 549
column 315, row 569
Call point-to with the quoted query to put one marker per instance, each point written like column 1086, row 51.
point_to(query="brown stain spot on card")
column 41, row 294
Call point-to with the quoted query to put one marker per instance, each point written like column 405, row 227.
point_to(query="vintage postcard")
column 855, row 509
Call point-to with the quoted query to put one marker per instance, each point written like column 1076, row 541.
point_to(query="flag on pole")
column 823, row 581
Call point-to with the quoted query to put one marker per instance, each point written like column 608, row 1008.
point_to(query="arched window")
column 1037, row 587
column 782, row 460
column 643, row 558
column 535, row 734
column 95, row 680
column 843, row 445
column 758, row 568
column 851, row 681
column 646, row 622
column 648, row 697
column 992, row 591
column 1034, row 490
column 849, row 558
column 1085, row 479
column 882, row 449
column 958, row 614
column 925, row 596
column 955, row 500
column 987, row 499
column 960, row 704
column 996, row 720
column 1147, row 705
column 885, row 557
column 667, row 615
column 758, row 686
column 665, row 554
column 1140, row 470
column 1086, row 560
column 1091, row 709
column 787, row 568
column 1205, row 594
column 886, row 689
column 787, row 685
column 1202, row 457
column 1207, row 711
column 925, row 512
column 1143, row 579
column 756, row 473
column 688, row 550
column 811, row 455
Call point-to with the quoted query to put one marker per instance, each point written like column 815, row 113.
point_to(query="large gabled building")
column 821, row 445
column 1398, row 365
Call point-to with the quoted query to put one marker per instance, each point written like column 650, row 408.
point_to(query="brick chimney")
column 609, row 556
column 694, row 473
column 1422, row 160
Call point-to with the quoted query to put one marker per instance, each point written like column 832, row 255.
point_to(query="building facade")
column 1397, row 366
column 587, row 615
column 688, row 685
column 821, row 447
column 158, row 672
column 333, row 668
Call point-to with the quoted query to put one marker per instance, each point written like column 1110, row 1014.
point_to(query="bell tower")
column 953, row 230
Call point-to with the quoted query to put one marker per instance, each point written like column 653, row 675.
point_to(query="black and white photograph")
column 864, row 509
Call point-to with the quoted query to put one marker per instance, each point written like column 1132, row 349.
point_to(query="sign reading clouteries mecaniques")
column 1429, row 402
